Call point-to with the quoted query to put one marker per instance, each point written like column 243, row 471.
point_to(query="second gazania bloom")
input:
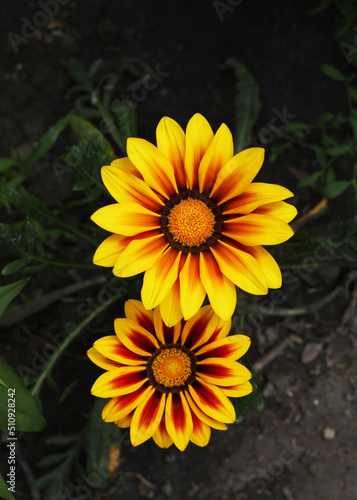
column 171, row 384
column 190, row 217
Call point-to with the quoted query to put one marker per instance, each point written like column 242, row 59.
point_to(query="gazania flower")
column 189, row 216
column 170, row 383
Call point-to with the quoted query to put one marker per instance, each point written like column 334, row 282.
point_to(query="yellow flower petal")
column 147, row 417
column 160, row 278
column 222, row 372
column 127, row 188
column 161, row 436
column 134, row 337
column 170, row 308
column 238, row 391
column 198, row 137
column 278, row 209
column 100, row 360
column 257, row 229
column 220, row 290
column 135, row 311
column 201, row 432
column 192, row 292
column 119, row 381
column 121, row 406
column 112, row 348
column 232, row 347
column 237, row 174
column 268, row 265
column 255, row 195
column 125, row 421
column 241, row 268
column 199, row 329
column 170, row 140
column 218, row 153
column 212, row 401
column 155, row 168
column 166, row 334
column 140, row 254
column 109, row 250
column 178, row 420
column 215, row 424
column 129, row 219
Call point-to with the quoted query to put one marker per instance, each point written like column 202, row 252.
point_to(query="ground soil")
column 303, row 445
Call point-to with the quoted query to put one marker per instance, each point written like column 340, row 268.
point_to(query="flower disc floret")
column 191, row 222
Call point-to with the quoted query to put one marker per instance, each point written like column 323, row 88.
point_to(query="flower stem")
column 56, row 355
column 14, row 314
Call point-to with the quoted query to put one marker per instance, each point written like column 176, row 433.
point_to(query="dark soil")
column 303, row 445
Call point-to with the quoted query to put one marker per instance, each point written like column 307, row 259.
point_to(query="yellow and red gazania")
column 170, row 383
column 189, row 216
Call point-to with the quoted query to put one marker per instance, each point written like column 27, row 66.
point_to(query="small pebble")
column 329, row 433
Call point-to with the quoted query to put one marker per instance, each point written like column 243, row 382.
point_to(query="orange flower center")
column 171, row 367
column 191, row 222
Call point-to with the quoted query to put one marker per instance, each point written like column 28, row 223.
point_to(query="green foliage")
column 332, row 72
column 9, row 292
column 97, row 440
column 328, row 150
column 254, row 399
column 101, row 441
column 27, row 414
column 118, row 117
column 247, row 104
column 4, row 491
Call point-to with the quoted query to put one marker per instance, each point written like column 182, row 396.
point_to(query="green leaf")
column 62, row 440
column 14, row 266
column 53, row 459
column 90, row 137
column 27, row 414
column 9, row 292
column 323, row 5
column 4, row 491
column 5, row 163
column 125, row 115
column 296, row 126
column 241, row 408
column 335, row 189
column 310, row 180
column 255, row 398
column 352, row 91
column 324, row 118
column 338, row 150
column 321, row 156
column 330, row 176
column 247, row 104
column 100, row 438
column 354, row 124
column 327, row 140
column 78, row 72
column 47, row 141
column 332, row 72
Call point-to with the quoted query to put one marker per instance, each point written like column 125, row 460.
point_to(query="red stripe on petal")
column 135, row 310
column 134, row 337
column 200, row 327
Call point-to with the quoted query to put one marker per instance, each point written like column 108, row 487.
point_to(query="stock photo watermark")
column 349, row 50
column 48, row 10
column 85, row 308
column 265, row 476
column 266, row 134
column 222, row 8
column 11, row 445
column 121, row 108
